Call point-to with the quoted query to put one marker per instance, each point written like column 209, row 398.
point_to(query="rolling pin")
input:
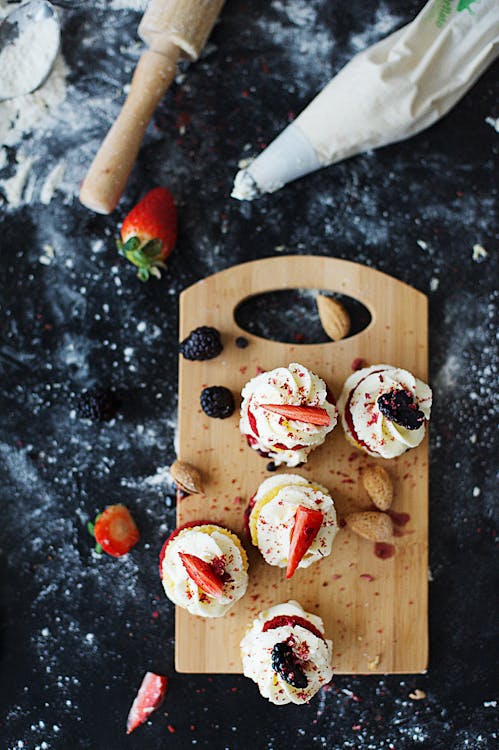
column 172, row 29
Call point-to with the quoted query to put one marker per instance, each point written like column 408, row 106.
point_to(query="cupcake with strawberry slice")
column 203, row 568
column 285, row 414
column 292, row 521
column 384, row 410
column 286, row 653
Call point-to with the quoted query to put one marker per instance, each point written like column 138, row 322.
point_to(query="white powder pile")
column 129, row 4
column 26, row 114
column 27, row 60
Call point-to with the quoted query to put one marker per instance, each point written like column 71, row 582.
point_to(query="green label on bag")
column 444, row 8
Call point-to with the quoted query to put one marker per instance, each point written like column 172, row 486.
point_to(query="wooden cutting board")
column 375, row 610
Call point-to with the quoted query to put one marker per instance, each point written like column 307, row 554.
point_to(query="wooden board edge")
column 348, row 264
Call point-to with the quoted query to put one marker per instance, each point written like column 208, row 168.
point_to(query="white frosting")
column 293, row 385
column 256, row 654
column 380, row 435
column 276, row 518
column 208, row 545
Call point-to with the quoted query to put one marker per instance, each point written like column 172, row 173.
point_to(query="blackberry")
column 97, row 404
column 271, row 466
column 241, row 342
column 399, row 407
column 202, row 343
column 217, row 402
column 285, row 663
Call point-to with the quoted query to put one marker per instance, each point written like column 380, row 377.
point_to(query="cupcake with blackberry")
column 203, row 568
column 285, row 414
column 292, row 522
column 286, row 653
column 384, row 410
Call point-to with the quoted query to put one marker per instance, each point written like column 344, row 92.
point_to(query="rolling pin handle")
column 111, row 167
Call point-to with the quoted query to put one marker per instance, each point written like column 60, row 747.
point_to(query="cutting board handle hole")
column 290, row 316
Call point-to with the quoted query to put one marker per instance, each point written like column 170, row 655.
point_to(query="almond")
column 334, row 318
column 417, row 695
column 187, row 477
column 378, row 486
column 372, row 525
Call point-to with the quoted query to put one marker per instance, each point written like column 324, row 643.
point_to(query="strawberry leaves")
column 91, row 530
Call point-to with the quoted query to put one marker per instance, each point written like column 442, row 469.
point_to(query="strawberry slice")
column 188, row 525
column 252, row 421
column 310, row 414
column 305, row 529
column 115, row 530
column 149, row 232
column 291, row 620
column 202, row 574
column 149, row 697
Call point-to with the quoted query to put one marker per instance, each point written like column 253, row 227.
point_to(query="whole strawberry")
column 149, row 232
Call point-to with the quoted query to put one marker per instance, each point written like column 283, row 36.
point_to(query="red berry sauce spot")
column 383, row 550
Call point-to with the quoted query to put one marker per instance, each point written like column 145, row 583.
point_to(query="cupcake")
column 384, row 410
column 203, row 568
column 285, row 414
column 292, row 522
column 285, row 652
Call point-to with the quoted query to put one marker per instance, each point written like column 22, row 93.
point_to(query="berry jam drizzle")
column 383, row 550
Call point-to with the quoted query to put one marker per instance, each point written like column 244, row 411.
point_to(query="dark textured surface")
column 78, row 631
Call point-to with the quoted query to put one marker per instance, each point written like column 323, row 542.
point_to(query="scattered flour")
column 23, row 115
column 493, row 122
column 383, row 24
column 24, row 63
column 128, row 4
column 14, row 187
column 51, row 183
column 33, row 125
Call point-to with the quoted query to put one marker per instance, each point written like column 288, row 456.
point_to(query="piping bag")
column 171, row 29
column 386, row 93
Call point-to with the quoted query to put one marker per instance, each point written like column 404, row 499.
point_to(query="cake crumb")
column 479, row 253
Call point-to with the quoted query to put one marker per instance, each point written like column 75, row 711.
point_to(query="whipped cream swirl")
column 273, row 516
column 368, row 426
column 284, row 440
column 210, row 543
column 314, row 654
